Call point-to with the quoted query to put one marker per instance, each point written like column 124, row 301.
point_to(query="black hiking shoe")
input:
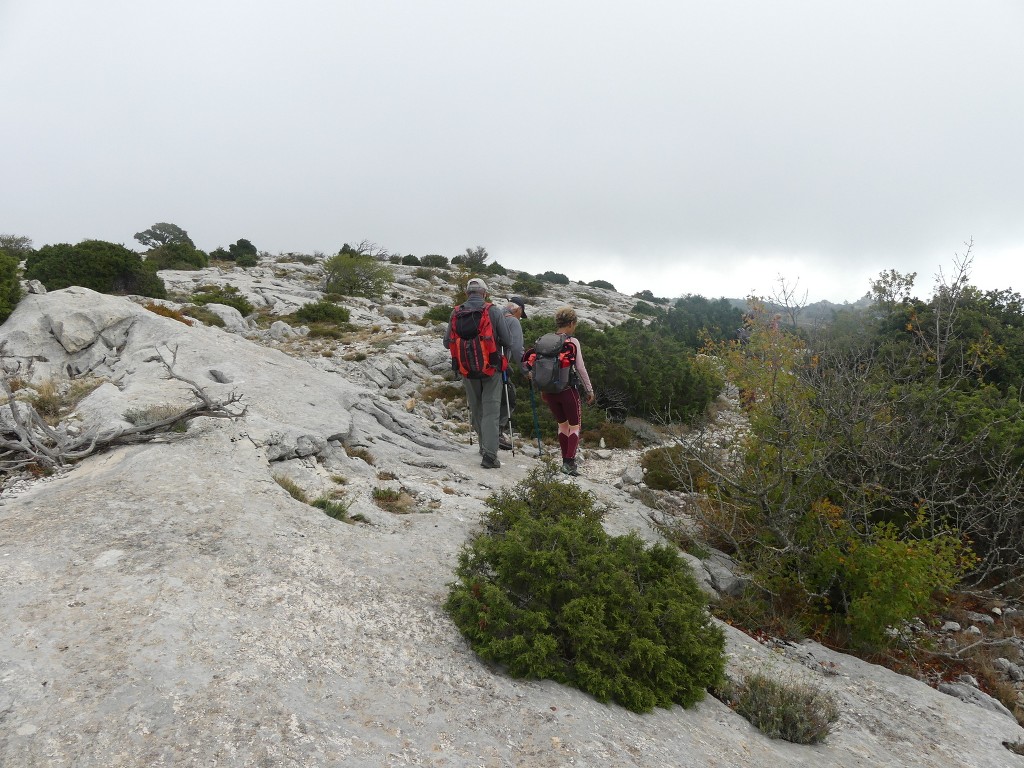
column 504, row 443
column 490, row 462
column 569, row 467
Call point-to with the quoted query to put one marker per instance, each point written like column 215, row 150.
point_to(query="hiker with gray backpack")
column 555, row 368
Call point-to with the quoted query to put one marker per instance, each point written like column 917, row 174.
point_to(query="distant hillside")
column 813, row 314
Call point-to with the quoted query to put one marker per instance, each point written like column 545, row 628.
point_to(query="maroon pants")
column 565, row 407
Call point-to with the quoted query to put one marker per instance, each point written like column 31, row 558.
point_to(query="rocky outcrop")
column 171, row 604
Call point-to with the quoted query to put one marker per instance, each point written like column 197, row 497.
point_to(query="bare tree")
column 785, row 296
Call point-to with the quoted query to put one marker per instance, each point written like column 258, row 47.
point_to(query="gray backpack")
column 553, row 362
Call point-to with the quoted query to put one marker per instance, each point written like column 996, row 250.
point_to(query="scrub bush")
column 177, row 256
column 795, row 712
column 322, row 312
column 10, row 288
column 95, row 264
column 357, row 275
column 439, row 313
column 227, row 295
column 667, row 469
column 543, row 590
column 434, row 260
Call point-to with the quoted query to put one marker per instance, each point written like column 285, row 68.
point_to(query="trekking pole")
column 508, row 409
column 536, row 421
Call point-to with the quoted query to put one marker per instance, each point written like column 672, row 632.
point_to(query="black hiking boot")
column 569, row 467
column 490, row 462
column 504, row 443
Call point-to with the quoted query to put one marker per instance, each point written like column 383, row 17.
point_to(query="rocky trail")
column 170, row 604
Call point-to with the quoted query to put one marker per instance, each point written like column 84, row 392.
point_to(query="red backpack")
column 475, row 352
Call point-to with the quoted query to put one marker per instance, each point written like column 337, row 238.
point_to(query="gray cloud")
column 681, row 147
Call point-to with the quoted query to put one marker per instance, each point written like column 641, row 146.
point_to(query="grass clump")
column 543, row 590
column 160, row 309
column 796, row 712
column 323, row 331
column 292, row 487
column 154, row 414
column 55, row 398
column 359, row 453
column 399, row 502
column 334, row 508
column 447, row 391
column 203, row 315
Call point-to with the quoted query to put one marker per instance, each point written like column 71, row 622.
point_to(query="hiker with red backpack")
column 555, row 367
column 476, row 336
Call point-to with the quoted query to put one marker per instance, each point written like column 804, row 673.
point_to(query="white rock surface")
column 170, row 604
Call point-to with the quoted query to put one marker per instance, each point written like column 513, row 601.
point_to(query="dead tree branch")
column 27, row 439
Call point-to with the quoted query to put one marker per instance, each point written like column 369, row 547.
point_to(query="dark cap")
column 522, row 304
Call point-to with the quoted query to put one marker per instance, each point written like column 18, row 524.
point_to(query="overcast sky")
column 682, row 147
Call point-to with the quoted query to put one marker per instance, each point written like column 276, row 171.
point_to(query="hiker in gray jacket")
column 484, row 394
column 515, row 310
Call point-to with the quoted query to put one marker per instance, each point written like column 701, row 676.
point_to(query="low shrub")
column 528, row 286
column 423, row 273
column 643, row 308
column 434, row 260
column 177, row 256
column 203, row 315
column 796, row 712
column 543, row 590
column 301, row 258
column 439, row 313
column 601, row 284
column 223, row 294
column 667, row 469
column 593, row 298
column 448, row 391
column 173, row 314
column 646, row 295
column 553, row 277
column 410, row 261
column 322, row 312
column 614, row 435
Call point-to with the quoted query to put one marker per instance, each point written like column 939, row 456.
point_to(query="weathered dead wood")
column 28, row 440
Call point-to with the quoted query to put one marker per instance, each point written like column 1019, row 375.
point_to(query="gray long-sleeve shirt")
column 514, row 350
